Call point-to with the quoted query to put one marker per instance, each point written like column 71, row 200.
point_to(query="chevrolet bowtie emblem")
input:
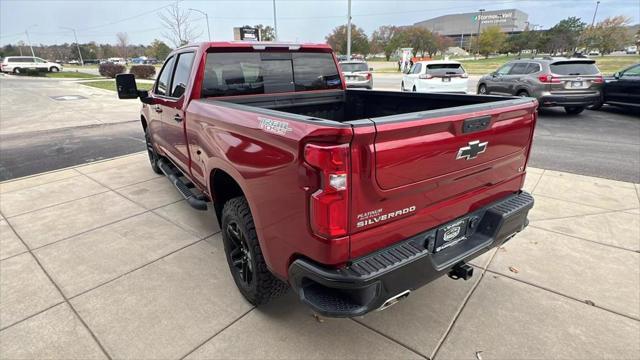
column 472, row 150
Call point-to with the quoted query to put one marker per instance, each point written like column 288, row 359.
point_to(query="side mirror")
column 127, row 88
column 370, row 69
column 179, row 90
column 494, row 74
column 617, row 75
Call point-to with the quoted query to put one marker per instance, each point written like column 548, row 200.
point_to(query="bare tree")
column 179, row 25
column 123, row 43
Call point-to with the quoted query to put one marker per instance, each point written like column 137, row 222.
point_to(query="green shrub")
column 111, row 70
column 143, row 71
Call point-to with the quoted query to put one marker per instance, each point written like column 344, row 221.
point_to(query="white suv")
column 18, row 64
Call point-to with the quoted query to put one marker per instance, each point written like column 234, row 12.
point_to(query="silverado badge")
column 472, row 150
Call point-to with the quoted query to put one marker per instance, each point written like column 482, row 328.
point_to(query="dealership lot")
column 43, row 134
column 106, row 259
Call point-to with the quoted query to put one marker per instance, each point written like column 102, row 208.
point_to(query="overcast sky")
column 301, row 20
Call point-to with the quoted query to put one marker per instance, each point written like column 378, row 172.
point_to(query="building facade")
column 461, row 27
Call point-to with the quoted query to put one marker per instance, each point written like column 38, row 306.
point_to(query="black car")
column 622, row 89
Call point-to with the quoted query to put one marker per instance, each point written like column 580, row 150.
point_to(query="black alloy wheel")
column 239, row 254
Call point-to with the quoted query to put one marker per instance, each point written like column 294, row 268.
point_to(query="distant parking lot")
column 44, row 134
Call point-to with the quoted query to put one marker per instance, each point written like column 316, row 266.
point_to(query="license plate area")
column 451, row 234
column 446, row 79
column 576, row 84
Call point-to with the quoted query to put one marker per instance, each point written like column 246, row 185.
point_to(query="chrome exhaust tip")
column 395, row 299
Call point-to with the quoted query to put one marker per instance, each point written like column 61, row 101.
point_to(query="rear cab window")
column 574, row 68
column 269, row 72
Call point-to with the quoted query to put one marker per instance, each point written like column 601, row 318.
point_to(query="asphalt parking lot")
column 106, row 260
column 43, row 134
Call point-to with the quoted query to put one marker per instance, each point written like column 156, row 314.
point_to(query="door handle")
column 157, row 108
column 177, row 118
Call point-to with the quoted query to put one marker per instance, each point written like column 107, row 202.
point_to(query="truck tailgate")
column 435, row 166
column 426, row 149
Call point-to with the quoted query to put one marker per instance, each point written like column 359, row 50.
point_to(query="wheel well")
column 223, row 188
column 522, row 91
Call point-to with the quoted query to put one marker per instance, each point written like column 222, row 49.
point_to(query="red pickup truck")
column 354, row 198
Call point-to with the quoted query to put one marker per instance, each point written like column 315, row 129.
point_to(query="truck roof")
column 259, row 45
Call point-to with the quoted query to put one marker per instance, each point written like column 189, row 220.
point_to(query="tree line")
column 388, row 39
column 565, row 37
column 91, row 50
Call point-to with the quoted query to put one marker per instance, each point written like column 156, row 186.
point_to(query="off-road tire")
column 151, row 151
column 264, row 286
column 573, row 110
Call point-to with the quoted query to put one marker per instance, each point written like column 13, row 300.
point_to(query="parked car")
column 568, row 82
column 357, row 74
column 631, row 50
column 594, row 53
column 621, row 89
column 19, row 64
column 435, row 76
column 117, row 61
column 74, row 62
column 353, row 198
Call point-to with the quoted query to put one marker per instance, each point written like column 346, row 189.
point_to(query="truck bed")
column 354, row 105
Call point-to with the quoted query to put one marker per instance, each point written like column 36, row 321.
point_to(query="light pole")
column 349, row 30
column 26, row 32
column 475, row 54
column 594, row 13
column 206, row 18
column 275, row 21
column 77, row 43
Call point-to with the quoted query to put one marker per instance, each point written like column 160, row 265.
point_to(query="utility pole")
column 26, row 32
column 77, row 43
column 206, row 18
column 275, row 20
column 475, row 55
column 594, row 13
column 349, row 30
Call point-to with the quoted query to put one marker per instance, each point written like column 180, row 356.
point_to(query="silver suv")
column 571, row 83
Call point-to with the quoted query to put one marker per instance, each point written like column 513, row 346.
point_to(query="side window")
column 533, row 68
column 417, row 68
column 164, row 78
column 504, row 70
column 632, row 72
column 518, row 69
column 40, row 61
column 181, row 74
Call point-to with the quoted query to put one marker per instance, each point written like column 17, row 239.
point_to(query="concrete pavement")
column 107, row 261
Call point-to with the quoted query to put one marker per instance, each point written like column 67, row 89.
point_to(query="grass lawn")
column 70, row 74
column 111, row 85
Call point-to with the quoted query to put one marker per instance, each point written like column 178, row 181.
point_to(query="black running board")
column 184, row 186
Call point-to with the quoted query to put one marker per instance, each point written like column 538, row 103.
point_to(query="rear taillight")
column 426, row 76
column 548, row 78
column 598, row 80
column 329, row 205
column 368, row 76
